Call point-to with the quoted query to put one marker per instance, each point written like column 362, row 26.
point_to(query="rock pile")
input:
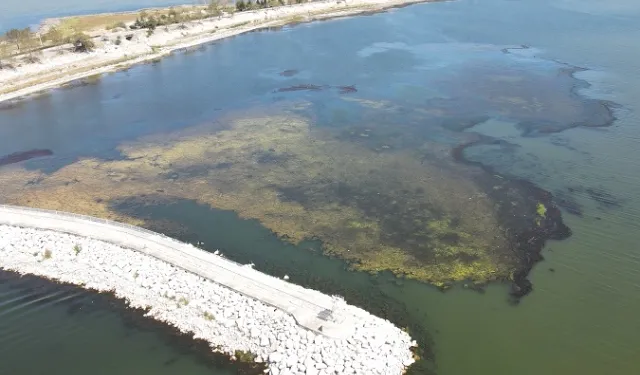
column 226, row 319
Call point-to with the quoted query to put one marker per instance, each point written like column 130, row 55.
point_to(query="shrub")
column 116, row 25
column 244, row 356
column 47, row 254
column 31, row 59
column 77, row 249
column 208, row 316
column 55, row 35
column 82, row 43
column 118, row 41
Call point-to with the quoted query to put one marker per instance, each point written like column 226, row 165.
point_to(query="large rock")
column 275, row 357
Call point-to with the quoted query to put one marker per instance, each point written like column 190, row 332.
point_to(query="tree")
column 5, row 52
column 19, row 37
column 214, row 8
column 29, row 43
column 54, row 35
column 13, row 36
column 82, row 43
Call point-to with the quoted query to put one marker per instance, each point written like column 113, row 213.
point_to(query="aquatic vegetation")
column 347, row 89
column 208, row 316
column 302, row 87
column 604, row 198
column 568, row 203
column 422, row 219
column 541, row 210
column 17, row 157
column 289, row 72
column 244, row 356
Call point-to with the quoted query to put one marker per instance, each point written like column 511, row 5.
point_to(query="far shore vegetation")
column 80, row 33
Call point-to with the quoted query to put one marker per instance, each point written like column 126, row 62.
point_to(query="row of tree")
column 215, row 8
column 242, row 5
column 22, row 39
column 26, row 42
column 179, row 15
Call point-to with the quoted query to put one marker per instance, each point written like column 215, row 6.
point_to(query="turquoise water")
column 581, row 317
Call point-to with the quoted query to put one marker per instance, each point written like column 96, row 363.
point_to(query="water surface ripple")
column 508, row 77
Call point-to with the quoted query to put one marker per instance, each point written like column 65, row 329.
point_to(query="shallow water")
column 61, row 330
column 415, row 68
column 23, row 13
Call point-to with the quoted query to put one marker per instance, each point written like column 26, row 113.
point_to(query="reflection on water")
column 370, row 174
column 412, row 170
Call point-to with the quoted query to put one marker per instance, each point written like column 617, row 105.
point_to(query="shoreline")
column 108, row 301
column 37, row 78
column 230, row 321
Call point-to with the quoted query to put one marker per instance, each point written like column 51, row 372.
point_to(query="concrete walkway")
column 311, row 309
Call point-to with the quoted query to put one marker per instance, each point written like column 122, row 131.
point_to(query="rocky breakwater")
column 228, row 320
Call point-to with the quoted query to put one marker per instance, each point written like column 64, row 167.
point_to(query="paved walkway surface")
column 310, row 308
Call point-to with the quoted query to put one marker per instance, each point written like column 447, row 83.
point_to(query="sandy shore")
column 59, row 66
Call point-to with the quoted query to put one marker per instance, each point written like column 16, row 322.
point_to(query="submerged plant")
column 541, row 210
column 418, row 218
column 244, row 356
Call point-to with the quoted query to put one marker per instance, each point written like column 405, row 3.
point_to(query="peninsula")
column 76, row 48
column 239, row 311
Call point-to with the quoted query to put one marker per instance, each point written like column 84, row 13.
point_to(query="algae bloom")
column 427, row 219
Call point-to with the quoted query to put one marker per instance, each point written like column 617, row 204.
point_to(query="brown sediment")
column 17, row 157
column 134, row 317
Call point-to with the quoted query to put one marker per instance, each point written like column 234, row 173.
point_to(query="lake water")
column 157, row 143
column 23, row 13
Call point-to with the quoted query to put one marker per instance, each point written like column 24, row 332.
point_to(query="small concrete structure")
column 311, row 309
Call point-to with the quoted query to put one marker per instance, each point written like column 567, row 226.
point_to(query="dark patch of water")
column 527, row 237
column 17, row 157
column 41, row 291
column 246, row 241
column 289, row 72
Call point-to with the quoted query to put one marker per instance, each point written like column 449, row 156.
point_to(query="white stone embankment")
column 227, row 319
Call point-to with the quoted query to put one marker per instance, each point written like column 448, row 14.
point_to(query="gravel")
column 228, row 320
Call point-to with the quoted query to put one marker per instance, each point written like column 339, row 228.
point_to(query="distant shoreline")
column 114, row 51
